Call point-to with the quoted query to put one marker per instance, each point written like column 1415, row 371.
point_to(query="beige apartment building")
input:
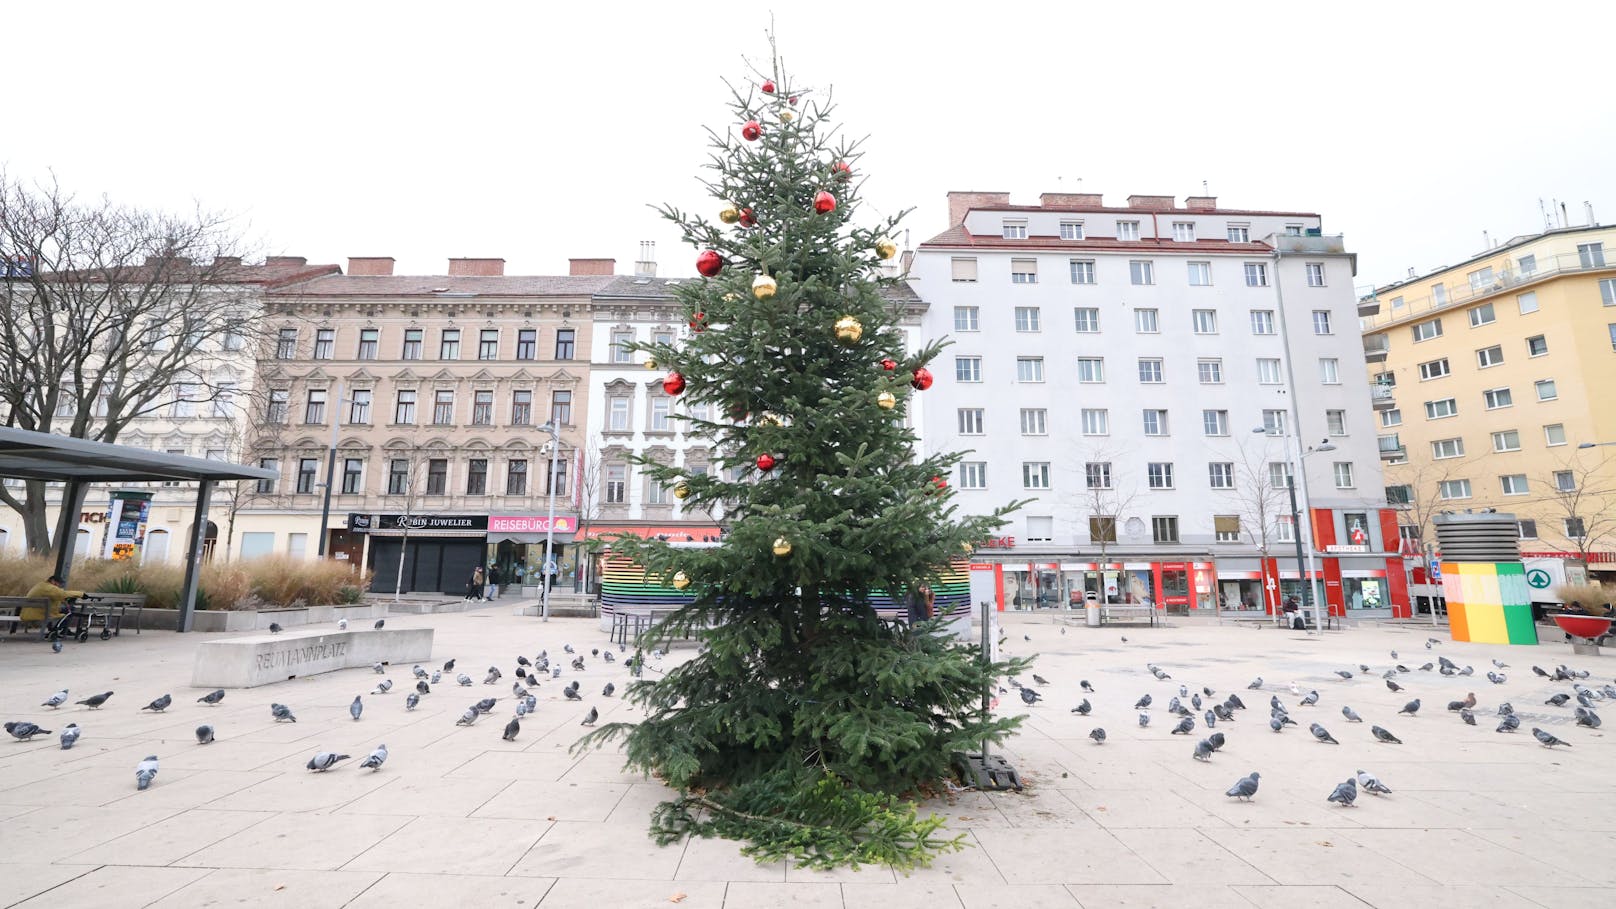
column 432, row 390
column 1488, row 380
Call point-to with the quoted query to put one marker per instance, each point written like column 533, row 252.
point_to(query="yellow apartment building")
column 1490, row 383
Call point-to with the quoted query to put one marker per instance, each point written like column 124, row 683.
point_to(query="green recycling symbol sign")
column 1538, row 578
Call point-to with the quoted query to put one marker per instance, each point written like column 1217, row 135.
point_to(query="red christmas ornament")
column 841, row 171
column 698, row 323
column 939, row 483
column 673, row 384
column 709, row 263
column 889, row 364
column 792, row 100
column 751, row 130
column 768, row 86
column 747, row 218
column 765, row 462
column 922, row 379
column 824, row 202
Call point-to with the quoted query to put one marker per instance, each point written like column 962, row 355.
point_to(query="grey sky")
column 539, row 131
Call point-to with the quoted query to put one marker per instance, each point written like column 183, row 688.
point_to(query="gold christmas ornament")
column 782, row 547
column 967, row 547
column 885, row 248
column 787, row 116
column 730, row 298
column 763, row 287
column 770, row 418
column 729, row 214
column 681, row 490
column 680, row 580
column 887, row 400
column 650, row 364
column 849, row 330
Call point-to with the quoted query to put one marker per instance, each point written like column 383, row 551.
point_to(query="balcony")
column 1457, row 292
column 1382, row 397
column 1368, row 306
column 1308, row 244
column 1376, row 348
column 1391, row 448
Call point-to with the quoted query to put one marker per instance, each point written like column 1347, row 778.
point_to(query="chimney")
column 153, row 261
column 227, row 261
column 645, row 266
column 906, row 261
column 370, row 266
column 1201, row 203
column 1151, row 203
column 1071, row 200
column 592, row 267
column 961, row 202
column 286, row 260
column 476, row 268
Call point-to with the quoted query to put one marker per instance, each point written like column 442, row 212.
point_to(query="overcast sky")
column 539, row 131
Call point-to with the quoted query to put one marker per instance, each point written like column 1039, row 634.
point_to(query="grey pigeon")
column 1393, row 686
column 1468, row 702
column 56, row 700
column 357, row 707
column 449, row 666
column 23, row 731
column 1144, row 720
column 1385, row 736
column 1496, row 678
column 421, row 687
column 1245, row 787
column 1256, row 683
column 578, row 663
column 436, row 677
column 1500, row 665
column 274, row 628
column 1538, row 670
column 1222, row 712
column 1143, row 703
column 611, row 689
column 1173, row 705
column 384, row 686
column 532, row 703
column 492, row 677
column 204, row 734
column 1468, row 716
column 1310, row 699
column 1039, row 679
column 282, row 713
column 325, row 760
column 374, row 760
column 1343, row 673
column 1394, row 654
column 522, row 660
column 555, row 673
column 1322, row 734
column 379, row 624
column 1234, row 702
column 378, row 668
column 572, row 694
column 56, row 645
column 1084, row 684
column 159, row 705
column 1468, row 670
column 1028, row 695
column 1183, row 690
column 1428, row 667
column 1586, row 717
column 1195, row 701
column 1184, row 727
column 1203, row 750
column 1098, row 735
column 1509, row 723
column 419, row 672
column 521, row 707
column 1275, row 705
column 567, row 648
column 1161, row 676
column 464, row 680
column 518, row 689
column 1210, row 718
column 1083, row 708
column 1505, row 709
column 1276, row 724
column 1558, row 700
column 485, row 705
column 342, row 624
column 95, row 701
column 1411, row 708
column 469, row 717
column 1351, row 715
column 145, row 772
column 413, row 701
column 1216, row 740
column 1345, row 793
column 212, row 698
column 590, row 717
column 70, row 735
column 511, row 729
column 1369, row 783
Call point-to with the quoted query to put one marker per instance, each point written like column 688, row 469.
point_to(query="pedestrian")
column 491, row 591
column 474, row 586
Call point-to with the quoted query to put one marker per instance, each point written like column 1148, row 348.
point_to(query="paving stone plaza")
column 458, row 817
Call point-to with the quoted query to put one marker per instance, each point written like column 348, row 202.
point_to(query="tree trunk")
column 35, row 527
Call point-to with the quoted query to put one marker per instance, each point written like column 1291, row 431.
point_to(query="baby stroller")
column 72, row 623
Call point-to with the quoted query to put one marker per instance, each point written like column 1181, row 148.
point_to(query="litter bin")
column 1093, row 610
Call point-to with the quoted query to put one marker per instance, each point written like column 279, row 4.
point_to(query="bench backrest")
column 24, row 601
column 127, row 599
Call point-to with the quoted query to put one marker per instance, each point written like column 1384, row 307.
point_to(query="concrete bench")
column 259, row 659
column 1111, row 613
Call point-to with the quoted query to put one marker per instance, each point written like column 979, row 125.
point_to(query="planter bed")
column 259, row 619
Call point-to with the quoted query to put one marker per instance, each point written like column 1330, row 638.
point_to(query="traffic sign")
column 1538, row 578
column 1436, row 571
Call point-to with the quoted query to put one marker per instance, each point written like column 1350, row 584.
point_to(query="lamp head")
column 1586, row 445
column 1325, row 446
column 548, row 427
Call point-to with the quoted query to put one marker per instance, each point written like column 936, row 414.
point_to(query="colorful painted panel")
column 1488, row 602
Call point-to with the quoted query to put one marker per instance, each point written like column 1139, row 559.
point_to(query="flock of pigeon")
column 528, row 674
column 1186, row 705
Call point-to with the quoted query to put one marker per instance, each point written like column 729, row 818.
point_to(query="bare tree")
column 110, row 313
column 1262, row 502
column 1416, row 491
column 254, row 435
column 1577, row 500
column 1103, row 496
column 410, row 493
column 588, row 499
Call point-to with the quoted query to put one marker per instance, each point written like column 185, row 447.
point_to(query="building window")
column 1142, row 271
column 1239, row 233
column 1321, row 322
column 1273, row 422
column 1035, row 474
column 1210, row 371
column 1102, row 529
column 1082, row 271
column 971, row 422
column 1329, row 371
column 1183, row 231
column 1441, row 409
column 967, row 318
column 449, row 344
column 1226, row 528
column 963, row 271
column 1479, row 279
column 1040, row 528
column 516, row 477
column 1268, row 372
column 482, row 408
column 1023, row 271
column 1546, row 390
column 442, row 407
column 1528, row 529
column 616, row 484
column 1454, row 489
column 973, row 475
column 1146, row 321
column 1215, row 422
column 1425, row 331
column 1554, row 434
column 1575, row 528
column 1027, row 319
column 1279, row 474
column 359, row 406
column 477, row 477
column 1315, row 274
column 1262, row 321
column 1096, row 421
column 1343, row 475
column 1159, row 474
column 1536, row 346
column 1495, row 398
column 1014, row 230
column 1127, row 230
column 1335, row 422
column 314, row 409
column 1071, row 230
column 1400, row 495
column 564, row 343
column 404, row 408
column 1220, row 474
column 1527, row 302
column 1393, row 417
column 1591, row 255
column 967, row 369
column 620, row 342
column 521, row 408
column 437, row 476
column 656, row 493
column 1086, row 319
column 1443, row 449
column 488, row 344
column 1482, row 315
column 1439, row 294
column 398, row 477
column 325, row 343
column 1200, row 274
column 412, row 344
column 1256, row 274
column 1434, row 369
column 1150, row 370
column 267, row 486
column 307, row 470
column 1097, row 475
column 617, row 413
column 1155, row 422
column 1029, row 369
column 369, row 341
column 1565, row 481
column 558, row 477
column 527, row 343
column 1205, row 321
column 661, row 411
column 1034, row 421
column 1164, row 528
column 1513, row 484
column 1489, row 356
column 286, row 344
column 1090, row 369
column 561, row 408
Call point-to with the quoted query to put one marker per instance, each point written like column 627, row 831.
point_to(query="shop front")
column 421, row 552
column 595, row 558
column 516, row 551
column 1029, row 586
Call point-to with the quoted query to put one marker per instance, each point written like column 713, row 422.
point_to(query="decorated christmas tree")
column 808, row 724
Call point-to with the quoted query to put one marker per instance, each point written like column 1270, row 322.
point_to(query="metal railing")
column 1382, row 392
column 1502, row 281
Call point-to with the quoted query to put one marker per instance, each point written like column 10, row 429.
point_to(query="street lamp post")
column 549, row 529
column 330, row 471
column 1304, row 554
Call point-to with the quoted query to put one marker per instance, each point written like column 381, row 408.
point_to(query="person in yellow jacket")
column 48, row 589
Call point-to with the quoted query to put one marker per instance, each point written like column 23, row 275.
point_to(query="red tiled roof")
column 340, row 285
column 959, row 236
column 1115, row 210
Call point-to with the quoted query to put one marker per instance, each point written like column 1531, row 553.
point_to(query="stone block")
column 259, row 659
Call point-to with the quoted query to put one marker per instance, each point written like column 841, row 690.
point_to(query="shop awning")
column 675, row 533
column 523, row 537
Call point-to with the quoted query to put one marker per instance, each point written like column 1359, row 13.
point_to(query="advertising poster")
column 126, row 524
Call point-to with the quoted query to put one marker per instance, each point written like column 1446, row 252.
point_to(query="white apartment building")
column 1112, row 364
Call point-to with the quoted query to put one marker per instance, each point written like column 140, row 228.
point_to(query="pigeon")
column 572, row 694
column 522, row 660
column 1548, row 740
column 411, row 702
column 1222, row 712
column 1040, row 679
column 595, row 651
column 1558, row 700
column 1428, row 667
column 1274, row 704
column 1394, row 654
column 1322, row 734
column 1385, row 736
column 1586, row 717
column 1275, row 723
column 1295, row 689
column 1144, row 720
column 1195, row 701
column 449, row 666
column 1124, row 638
column 1505, row 709
column 342, row 624
column 521, row 708
column 519, row 690
column 378, row 668
column 1311, row 699
column 356, row 708
column 274, row 628
column 1203, row 751
column 1401, row 668
column 1538, row 670
column 1345, row 793
column 1468, row 670
column 1143, row 703
column 1371, row 784
column 1028, row 695
column 1245, row 787
column 1351, row 715
column 374, row 760
column 1363, row 668
column 493, row 675
column 211, row 698
column 463, row 680
column 1173, row 705
column 1083, row 708
column 204, row 734
column 1393, row 685
column 56, row 645
column 281, row 713
column 1500, row 665
column 1235, row 703
column 325, row 760
column 56, row 700
column 1430, row 641
column 567, row 648
column 469, row 717
column 419, row 672
column 611, row 689
column 578, row 663
column 607, row 656
column 1183, row 691
column 1411, row 708
column 1497, row 678
column 1216, row 740
column 555, row 673
column 532, row 703
column 1098, row 735
column 70, row 735
column 1343, row 673
column 486, row 705
column 1464, row 704
column 521, row 673
column 1184, row 727
column 1084, row 684
column 379, row 624
column 511, row 729
column 1210, row 718
column 1468, row 716
column 436, row 677
column 1509, row 723
column 145, row 772
column 95, row 701
column 384, row 686
column 1161, row 676
column 159, row 705
column 590, row 717
column 1256, row 683
column 421, row 687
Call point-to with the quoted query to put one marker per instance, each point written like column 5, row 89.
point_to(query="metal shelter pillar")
column 67, row 526
column 193, row 556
